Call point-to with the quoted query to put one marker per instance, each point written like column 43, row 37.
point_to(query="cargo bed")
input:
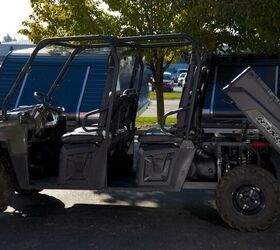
column 258, row 102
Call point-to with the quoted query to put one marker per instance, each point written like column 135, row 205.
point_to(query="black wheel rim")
column 248, row 200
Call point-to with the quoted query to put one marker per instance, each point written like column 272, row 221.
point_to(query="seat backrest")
column 102, row 120
column 121, row 105
column 124, row 112
column 185, row 100
column 188, row 118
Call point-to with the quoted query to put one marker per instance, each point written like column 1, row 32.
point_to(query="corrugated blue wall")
column 88, row 71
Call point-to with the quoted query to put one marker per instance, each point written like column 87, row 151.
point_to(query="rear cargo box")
column 257, row 101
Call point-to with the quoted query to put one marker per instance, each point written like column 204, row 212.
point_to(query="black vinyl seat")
column 86, row 135
column 79, row 136
column 176, row 133
column 122, row 121
column 157, row 135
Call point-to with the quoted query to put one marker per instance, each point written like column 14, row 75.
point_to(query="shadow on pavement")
column 184, row 220
column 37, row 205
column 200, row 204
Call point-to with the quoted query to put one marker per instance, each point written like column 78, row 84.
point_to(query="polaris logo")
column 269, row 128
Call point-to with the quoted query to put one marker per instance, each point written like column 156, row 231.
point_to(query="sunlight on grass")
column 166, row 95
column 147, row 122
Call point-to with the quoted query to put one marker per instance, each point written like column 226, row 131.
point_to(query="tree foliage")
column 251, row 26
column 67, row 18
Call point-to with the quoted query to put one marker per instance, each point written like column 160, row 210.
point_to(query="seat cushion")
column 156, row 135
column 79, row 136
column 82, row 131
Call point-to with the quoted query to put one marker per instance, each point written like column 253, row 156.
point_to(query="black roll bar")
column 63, row 71
column 189, row 95
column 110, row 42
column 187, row 103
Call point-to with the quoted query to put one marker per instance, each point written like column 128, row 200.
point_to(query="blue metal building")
column 80, row 92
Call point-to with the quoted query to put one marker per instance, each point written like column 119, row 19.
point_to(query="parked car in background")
column 178, row 72
column 181, row 79
column 167, row 82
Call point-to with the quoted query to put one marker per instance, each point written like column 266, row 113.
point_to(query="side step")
column 257, row 101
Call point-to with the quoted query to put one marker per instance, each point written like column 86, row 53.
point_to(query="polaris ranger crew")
column 37, row 152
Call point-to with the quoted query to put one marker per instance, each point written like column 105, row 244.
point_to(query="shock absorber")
column 250, row 155
column 243, row 157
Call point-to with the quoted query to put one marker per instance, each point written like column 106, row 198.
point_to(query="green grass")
column 166, row 95
column 146, row 122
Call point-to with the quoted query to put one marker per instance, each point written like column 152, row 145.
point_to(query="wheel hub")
column 248, row 199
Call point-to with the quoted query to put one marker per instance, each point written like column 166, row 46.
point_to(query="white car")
column 181, row 79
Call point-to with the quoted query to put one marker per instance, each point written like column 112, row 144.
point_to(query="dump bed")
column 258, row 102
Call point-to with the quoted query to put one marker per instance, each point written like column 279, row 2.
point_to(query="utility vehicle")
column 38, row 153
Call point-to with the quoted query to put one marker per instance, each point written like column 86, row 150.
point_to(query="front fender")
column 13, row 140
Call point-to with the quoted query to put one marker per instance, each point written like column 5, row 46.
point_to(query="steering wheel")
column 42, row 111
column 39, row 112
column 40, row 97
column 39, row 119
column 47, row 102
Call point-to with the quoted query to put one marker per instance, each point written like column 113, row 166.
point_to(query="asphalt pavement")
column 168, row 106
column 124, row 220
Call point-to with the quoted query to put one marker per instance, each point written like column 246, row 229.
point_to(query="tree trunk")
column 159, row 90
column 156, row 66
column 160, row 102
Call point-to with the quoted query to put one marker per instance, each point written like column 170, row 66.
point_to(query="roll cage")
column 138, row 44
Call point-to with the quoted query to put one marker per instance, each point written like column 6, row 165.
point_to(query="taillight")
column 259, row 144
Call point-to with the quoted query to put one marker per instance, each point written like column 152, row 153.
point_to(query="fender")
column 14, row 141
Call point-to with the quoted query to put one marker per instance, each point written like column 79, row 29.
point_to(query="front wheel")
column 6, row 188
column 248, row 198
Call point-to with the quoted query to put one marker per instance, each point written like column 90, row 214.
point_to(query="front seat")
column 157, row 135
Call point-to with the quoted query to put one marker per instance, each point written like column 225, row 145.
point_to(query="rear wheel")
column 248, row 198
column 6, row 188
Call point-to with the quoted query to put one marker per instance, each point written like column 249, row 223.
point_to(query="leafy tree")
column 251, row 26
column 67, row 18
